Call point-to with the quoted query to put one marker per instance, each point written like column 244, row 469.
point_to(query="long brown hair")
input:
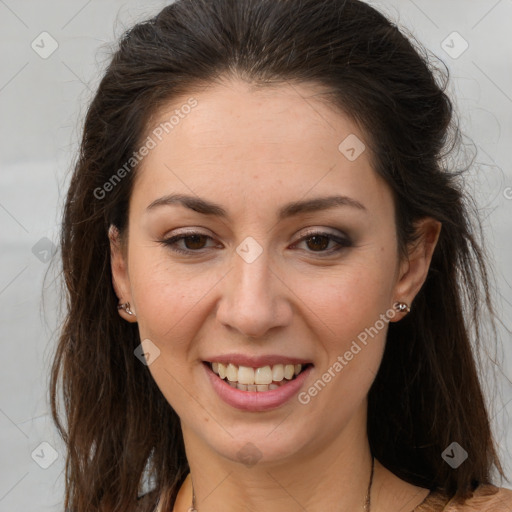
column 119, row 428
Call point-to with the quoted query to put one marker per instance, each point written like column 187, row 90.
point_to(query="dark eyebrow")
column 288, row 210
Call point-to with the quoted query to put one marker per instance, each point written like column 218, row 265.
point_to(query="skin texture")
column 252, row 151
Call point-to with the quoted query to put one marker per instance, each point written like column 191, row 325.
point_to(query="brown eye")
column 193, row 242
column 318, row 242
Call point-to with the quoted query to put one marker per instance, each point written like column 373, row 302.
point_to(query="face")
column 259, row 269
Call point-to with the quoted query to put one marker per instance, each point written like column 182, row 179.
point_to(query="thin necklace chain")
column 366, row 501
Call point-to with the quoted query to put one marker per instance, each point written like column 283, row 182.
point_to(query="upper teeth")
column 263, row 375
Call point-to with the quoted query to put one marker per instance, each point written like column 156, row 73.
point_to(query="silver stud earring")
column 126, row 307
column 402, row 307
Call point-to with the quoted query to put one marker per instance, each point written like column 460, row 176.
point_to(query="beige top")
column 486, row 498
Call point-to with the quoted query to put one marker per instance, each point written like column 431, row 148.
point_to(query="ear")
column 120, row 277
column 413, row 270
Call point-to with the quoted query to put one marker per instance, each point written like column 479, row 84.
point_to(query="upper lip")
column 256, row 361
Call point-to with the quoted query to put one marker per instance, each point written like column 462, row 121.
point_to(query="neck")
column 329, row 474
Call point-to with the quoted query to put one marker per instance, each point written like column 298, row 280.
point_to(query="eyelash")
column 343, row 243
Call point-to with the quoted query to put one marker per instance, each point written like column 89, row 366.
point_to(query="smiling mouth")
column 265, row 378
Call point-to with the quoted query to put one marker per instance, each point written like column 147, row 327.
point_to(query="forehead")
column 233, row 112
column 242, row 141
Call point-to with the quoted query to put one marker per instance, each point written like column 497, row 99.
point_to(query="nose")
column 255, row 298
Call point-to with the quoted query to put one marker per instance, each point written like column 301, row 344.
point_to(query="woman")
column 271, row 273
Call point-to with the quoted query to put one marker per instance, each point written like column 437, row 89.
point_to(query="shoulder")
column 485, row 498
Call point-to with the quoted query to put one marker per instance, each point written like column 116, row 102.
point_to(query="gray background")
column 42, row 102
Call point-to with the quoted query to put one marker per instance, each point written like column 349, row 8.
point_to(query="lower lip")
column 256, row 401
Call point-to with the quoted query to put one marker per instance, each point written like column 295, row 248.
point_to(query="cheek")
column 351, row 298
column 166, row 296
column 353, row 312
column 168, row 313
